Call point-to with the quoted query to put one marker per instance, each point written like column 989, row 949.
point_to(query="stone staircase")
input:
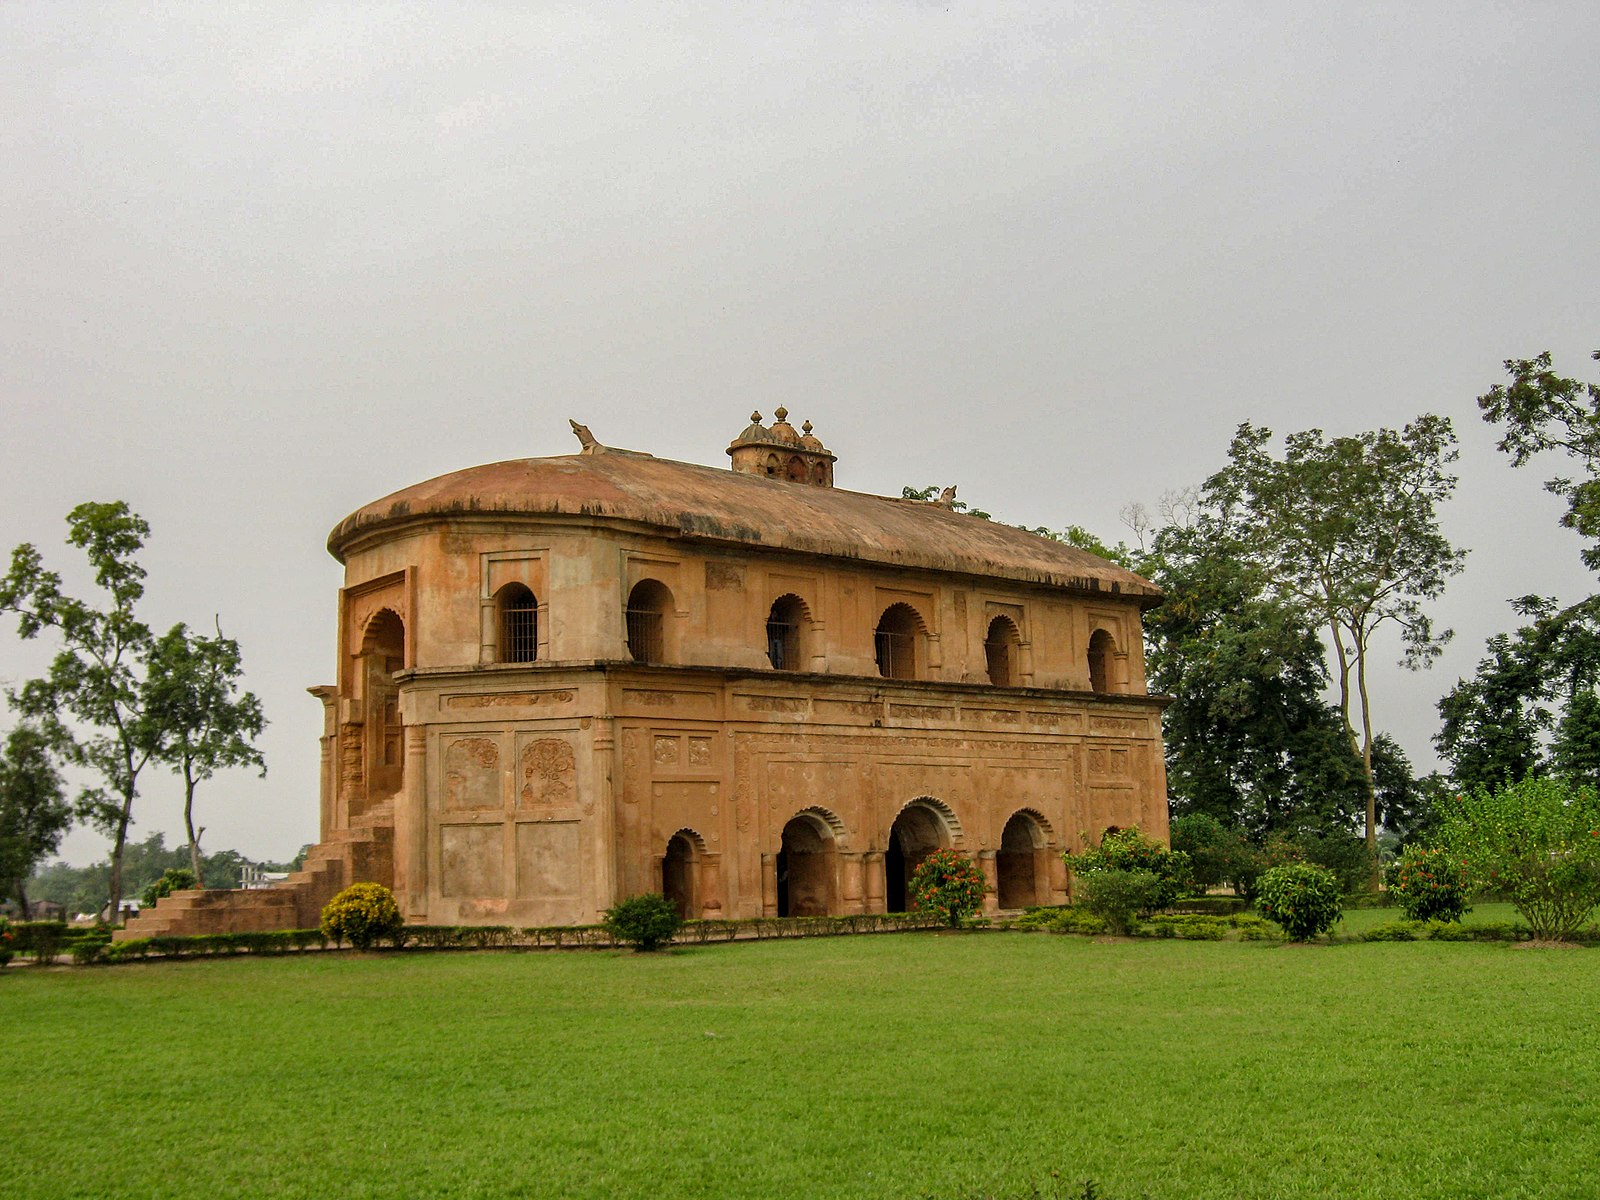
column 364, row 853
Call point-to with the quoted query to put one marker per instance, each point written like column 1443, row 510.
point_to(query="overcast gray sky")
column 262, row 264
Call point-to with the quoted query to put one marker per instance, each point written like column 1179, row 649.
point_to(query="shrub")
column 1116, row 895
column 91, row 948
column 173, row 879
column 948, row 885
column 1188, row 928
column 7, row 941
column 1130, row 850
column 1216, row 906
column 1217, row 853
column 1301, row 898
column 644, row 922
column 1429, row 884
column 362, row 914
column 1537, row 842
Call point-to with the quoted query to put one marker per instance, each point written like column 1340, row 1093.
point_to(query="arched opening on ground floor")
column 917, row 832
column 807, row 867
column 680, row 874
column 1022, row 865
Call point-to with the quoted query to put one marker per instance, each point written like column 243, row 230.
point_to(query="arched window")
column 517, row 619
column 1101, row 649
column 1000, row 651
column 648, row 606
column 898, row 642
column 795, row 470
column 772, row 464
column 785, row 624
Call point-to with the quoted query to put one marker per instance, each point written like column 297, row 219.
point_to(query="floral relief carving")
column 548, row 770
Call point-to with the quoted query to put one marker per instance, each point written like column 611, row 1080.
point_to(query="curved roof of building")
column 719, row 505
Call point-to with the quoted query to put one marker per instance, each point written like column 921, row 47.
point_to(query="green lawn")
column 900, row 1065
column 1359, row 920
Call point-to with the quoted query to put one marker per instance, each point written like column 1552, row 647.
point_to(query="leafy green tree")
column 34, row 813
column 193, row 694
column 1347, row 529
column 1495, row 723
column 1217, row 853
column 1249, row 738
column 92, row 703
column 1541, row 411
column 1575, row 752
column 1537, row 841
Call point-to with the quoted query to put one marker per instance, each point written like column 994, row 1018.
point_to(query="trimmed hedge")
column 91, row 949
column 1244, row 927
column 1215, row 906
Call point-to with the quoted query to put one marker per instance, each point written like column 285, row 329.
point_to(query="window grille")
column 519, row 631
column 783, row 644
column 646, row 635
column 897, row 654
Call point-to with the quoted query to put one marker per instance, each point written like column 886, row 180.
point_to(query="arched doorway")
column 917, row 832
column 1102, row 651
column 1022, row 863
column 1000, row 651
column 680, row 871
column 806, row 868
column 383, row 652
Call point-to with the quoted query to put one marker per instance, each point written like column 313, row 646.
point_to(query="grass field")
column 1359, row 920
column 900, row 1065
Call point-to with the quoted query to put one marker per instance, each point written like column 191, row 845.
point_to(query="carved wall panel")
column 472, row 774
column 547, row 860
column 547, row 770
column 471, row 861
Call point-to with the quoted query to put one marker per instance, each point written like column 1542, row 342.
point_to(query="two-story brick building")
column 566, row 680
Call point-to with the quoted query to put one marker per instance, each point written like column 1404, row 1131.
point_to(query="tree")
column 1249, row 738
column 34, row 813
column 1347, row 529
column 1496, row 722
column 193, row 695
column 1544, row 411
column 98, row 677
column 1538, row 841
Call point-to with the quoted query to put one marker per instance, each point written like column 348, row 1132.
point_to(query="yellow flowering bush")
column 362, row 914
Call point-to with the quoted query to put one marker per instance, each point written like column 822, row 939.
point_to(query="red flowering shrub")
column 1429, row 884
column 948, row 883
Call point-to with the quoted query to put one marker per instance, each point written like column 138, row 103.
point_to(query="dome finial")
column 782, row 413
column 755, row 418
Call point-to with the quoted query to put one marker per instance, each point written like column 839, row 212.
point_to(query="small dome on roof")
column 754, row 432
column 808, row 441
column 782, row 431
